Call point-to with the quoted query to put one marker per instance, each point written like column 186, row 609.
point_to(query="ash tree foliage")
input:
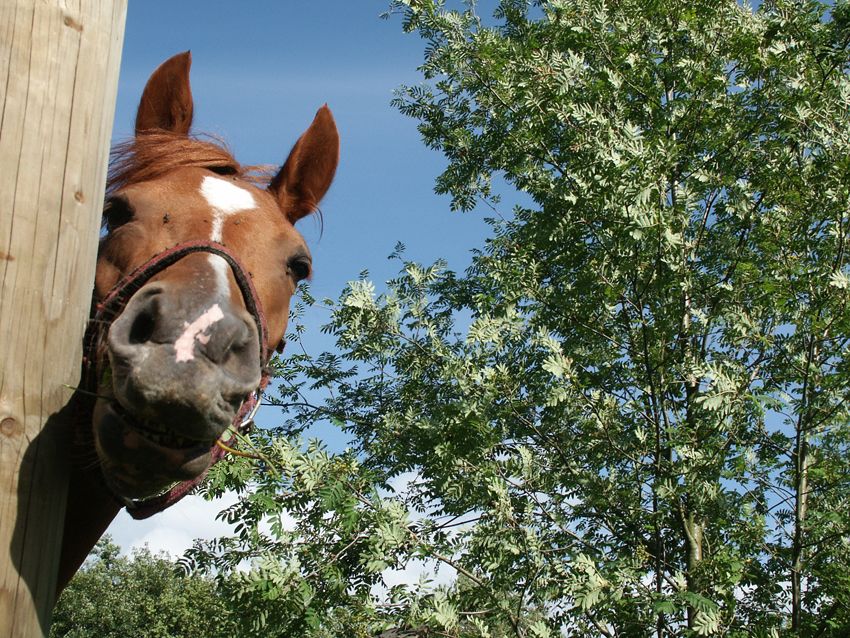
column 629, row 416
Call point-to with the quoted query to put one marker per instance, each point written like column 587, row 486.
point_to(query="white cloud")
column 173, row 529
column 415, row 571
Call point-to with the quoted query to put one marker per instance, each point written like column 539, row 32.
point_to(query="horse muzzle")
column 181, row 367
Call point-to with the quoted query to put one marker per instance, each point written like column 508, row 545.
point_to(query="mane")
column 152, row 154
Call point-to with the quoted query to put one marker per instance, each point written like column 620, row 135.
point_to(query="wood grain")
column 59, row 64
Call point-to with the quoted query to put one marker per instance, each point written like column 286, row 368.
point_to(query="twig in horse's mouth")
column 246, row 440
column 246, row 455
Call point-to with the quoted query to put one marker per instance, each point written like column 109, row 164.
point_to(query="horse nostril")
column 229, row 342
column 241, row 342
column 142, row 329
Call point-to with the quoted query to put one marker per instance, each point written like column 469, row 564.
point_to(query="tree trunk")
column 693, row 530
column 801, row 489
column 802, row 461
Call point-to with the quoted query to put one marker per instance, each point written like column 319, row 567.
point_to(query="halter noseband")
column 105, row 312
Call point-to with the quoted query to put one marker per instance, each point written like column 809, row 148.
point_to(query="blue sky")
column 259, row 75
column 259, row 72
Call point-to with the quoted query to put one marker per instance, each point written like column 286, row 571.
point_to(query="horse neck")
column 90, row 509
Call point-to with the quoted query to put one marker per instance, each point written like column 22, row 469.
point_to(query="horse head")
column 196, row 269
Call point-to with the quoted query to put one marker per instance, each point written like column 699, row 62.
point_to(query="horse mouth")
column 158, row 434
column 139, row 459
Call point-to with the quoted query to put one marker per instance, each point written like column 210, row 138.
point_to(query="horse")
column 197, row 263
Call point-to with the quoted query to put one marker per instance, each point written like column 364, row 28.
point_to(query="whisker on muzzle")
column 88, row 393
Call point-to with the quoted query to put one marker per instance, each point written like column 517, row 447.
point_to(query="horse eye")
column 299, row 267
column 117, row 212
column 222, row 170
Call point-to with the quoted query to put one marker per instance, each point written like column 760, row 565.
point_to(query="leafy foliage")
column 629, row 415
column 144, row 595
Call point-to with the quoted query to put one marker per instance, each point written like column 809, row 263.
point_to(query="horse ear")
column 309, row 170
column 166, row 102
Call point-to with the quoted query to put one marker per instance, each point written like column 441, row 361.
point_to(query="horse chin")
column 139, row 461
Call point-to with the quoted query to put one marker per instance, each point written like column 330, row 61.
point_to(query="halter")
column 105, row 312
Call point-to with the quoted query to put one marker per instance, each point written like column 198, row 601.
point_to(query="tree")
column 114, row 596
column 629, row 415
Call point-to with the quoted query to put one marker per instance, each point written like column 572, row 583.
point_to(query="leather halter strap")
column 105, row 312
column 113, row 304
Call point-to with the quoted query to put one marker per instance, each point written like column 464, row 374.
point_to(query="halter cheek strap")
column 111, row 307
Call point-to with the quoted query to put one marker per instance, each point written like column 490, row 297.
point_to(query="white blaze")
column 225, row 199
column 220, row 268
column 185, row 344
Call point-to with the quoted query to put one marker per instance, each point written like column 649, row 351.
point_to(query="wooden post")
column 59, row 62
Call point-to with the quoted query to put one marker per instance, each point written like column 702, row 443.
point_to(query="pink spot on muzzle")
column 185, row 344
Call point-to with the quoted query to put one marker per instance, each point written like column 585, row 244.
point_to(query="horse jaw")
column 134, row 464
